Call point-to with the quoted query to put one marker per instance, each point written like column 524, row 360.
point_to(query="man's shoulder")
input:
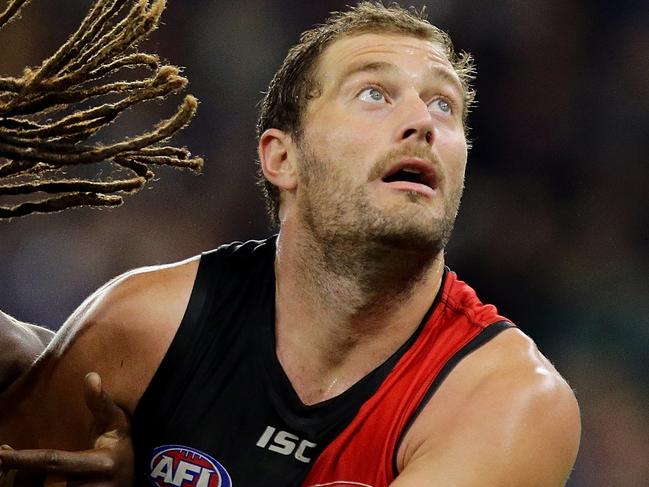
column 145, row 293
column 513, row 365
column 124, row 329
column 504, row 405
column 147, row 304
column 136, row 299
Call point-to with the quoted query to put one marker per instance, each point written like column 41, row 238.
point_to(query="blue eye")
column 441, row 105
column 372, row 95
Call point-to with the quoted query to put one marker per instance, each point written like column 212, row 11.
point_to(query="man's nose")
column 417, row 122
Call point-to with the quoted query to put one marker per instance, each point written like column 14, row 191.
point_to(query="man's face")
column 383, row 150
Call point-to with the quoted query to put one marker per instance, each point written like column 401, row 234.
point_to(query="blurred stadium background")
column 554, row 227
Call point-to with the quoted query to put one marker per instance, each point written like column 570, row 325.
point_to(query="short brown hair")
column 294, row 83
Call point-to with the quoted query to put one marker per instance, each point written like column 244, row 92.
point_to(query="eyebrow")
column 370, row 67
column 382, row 66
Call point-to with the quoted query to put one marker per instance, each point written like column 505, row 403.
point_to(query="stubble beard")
column 361, row 241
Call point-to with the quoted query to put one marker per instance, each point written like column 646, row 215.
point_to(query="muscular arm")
column 121, row 332
column 504, row 417
column 20, row 344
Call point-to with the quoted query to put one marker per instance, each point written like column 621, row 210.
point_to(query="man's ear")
column 277, row 158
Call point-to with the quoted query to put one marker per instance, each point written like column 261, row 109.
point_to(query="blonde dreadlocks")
column 39, row 136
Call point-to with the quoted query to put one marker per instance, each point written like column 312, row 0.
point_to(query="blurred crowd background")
column 554, row 227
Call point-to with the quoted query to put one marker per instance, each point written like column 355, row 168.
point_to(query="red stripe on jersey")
column 363, row 453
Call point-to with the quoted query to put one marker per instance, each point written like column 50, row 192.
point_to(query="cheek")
column 453, row 150
column 350, row 151
column 336, row 136
column 351, row 138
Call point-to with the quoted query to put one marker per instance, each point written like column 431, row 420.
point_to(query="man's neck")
column 342, row 310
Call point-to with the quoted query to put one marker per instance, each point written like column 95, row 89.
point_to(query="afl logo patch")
column 181, row 466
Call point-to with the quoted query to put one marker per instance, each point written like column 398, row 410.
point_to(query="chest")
column 220, row 410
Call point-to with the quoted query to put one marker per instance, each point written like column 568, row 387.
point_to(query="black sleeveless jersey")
column 220, row 411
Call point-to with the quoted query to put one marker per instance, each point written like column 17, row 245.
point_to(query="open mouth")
column 406, row 174
column 412, row 175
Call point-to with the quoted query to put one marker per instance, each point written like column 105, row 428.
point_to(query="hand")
column 108, row 464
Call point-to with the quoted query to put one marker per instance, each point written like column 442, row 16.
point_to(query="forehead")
column 406, row 52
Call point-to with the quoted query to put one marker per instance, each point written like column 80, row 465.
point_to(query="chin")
column 407, row 230
column 416, row 222
column 410, row 237
column 352, row 219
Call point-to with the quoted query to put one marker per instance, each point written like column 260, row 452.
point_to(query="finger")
column 107, row 415
column 96, row 462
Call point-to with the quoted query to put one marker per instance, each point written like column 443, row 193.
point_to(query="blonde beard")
column 339, row 213
column 357, row 251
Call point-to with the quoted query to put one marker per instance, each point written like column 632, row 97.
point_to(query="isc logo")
column 183, row 466
column 285, row 443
